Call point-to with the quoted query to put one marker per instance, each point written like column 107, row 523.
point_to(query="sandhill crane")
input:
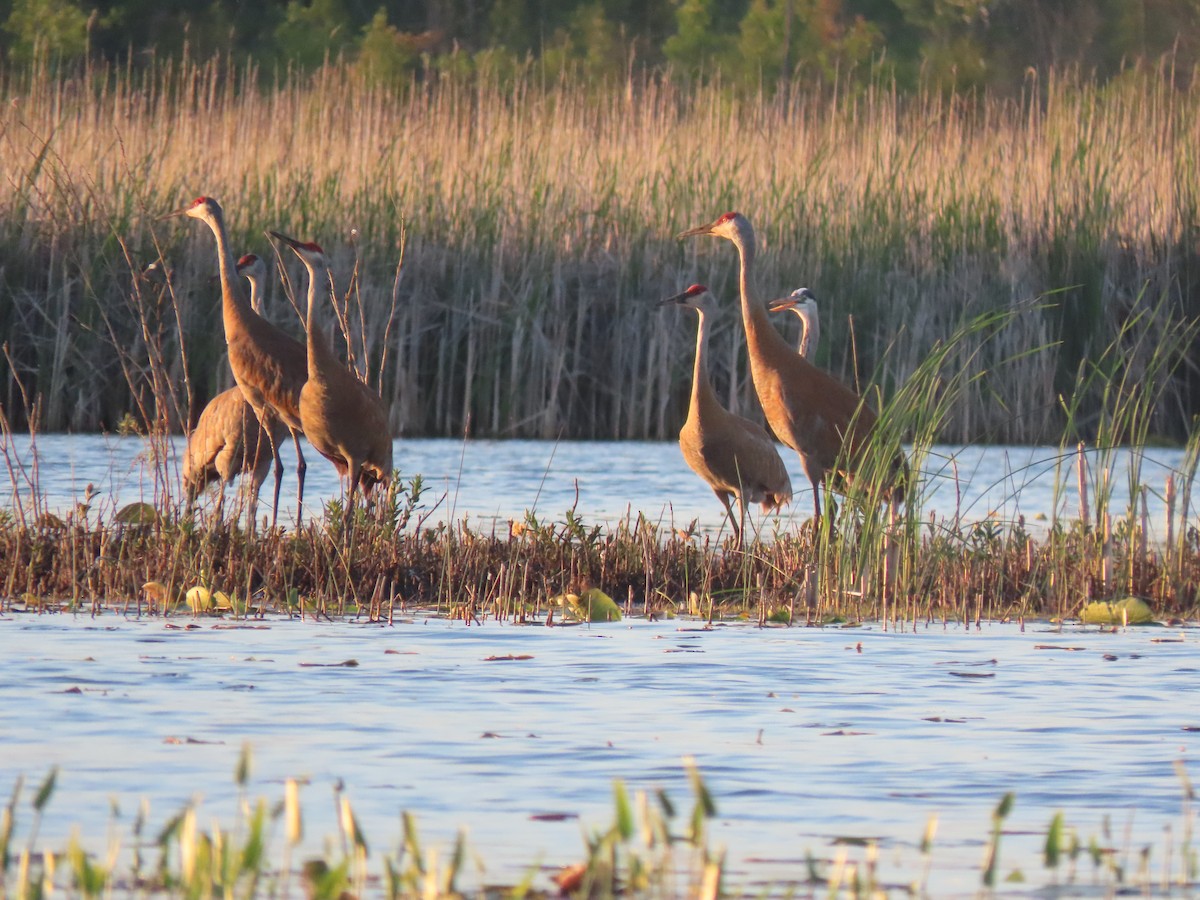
column 227, row 440
column 808, row 409
column 343, row 419
column 268, row 364
column 736, row 457
column 802, row 302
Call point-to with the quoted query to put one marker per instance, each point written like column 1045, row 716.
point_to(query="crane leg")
column 301, row 468
column 251, row 499
column 733, row 522
column 264, row 428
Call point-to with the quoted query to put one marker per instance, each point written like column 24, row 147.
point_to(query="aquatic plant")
column 648, row 850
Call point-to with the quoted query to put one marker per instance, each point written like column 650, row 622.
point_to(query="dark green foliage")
column 756, row 44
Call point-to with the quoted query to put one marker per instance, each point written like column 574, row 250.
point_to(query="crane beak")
column 291, row 242
column 172, row 215
column 703, row 229
column 781, row 304
column 676, row 298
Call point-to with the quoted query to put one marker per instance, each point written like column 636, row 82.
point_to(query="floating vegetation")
column 1130, row 611
column 592, row 606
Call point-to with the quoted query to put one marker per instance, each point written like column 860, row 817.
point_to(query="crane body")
column 268, row 364
column 807, row 408
column 734, row 456
column 343, row 419
column 228, row 440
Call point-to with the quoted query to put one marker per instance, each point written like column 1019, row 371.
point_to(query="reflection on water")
column 489, row 482
column 803, row 735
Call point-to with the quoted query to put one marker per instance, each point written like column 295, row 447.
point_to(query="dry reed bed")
column 538, row 225
column 981, row 571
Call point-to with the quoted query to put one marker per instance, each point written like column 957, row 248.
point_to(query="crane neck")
column 754, row 312
column 318, row 351
column 809, row 334
column 702, row 391
column 256, row 294
column 235, row 307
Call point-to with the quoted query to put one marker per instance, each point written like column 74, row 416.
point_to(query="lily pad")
column 1130, row 611
column 199, row 599
column 137, row 514
column 157, row 592
column 593, row 605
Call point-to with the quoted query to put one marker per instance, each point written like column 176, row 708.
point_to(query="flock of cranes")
column 227, row 440
column 825, row 422
column 303, row 385
column 284, row 386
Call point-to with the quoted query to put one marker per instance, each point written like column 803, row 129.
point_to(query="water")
column 802, row 735
column 489, row 482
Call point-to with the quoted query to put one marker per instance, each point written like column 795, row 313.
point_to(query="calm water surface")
column 803, row 735
column 489, row 482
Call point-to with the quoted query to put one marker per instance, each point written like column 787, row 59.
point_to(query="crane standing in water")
column 808, row 409
column 268, row 364
column 736, row 457
column 343, row 419
column 227, row 440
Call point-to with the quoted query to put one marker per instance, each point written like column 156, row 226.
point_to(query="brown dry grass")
column 540, row 231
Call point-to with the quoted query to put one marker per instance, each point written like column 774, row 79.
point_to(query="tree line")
column 761, row 45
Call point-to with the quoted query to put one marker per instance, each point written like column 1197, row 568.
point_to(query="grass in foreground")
column 649, row 850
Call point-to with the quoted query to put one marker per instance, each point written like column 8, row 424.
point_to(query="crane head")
column 250, row 264
column 200, row 208
column 801, row 299
column 727, row 226
column 697, row 297
column 308, row 251
column 254, row 268
column 156, row 273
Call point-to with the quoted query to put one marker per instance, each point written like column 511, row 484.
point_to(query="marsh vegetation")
column 1015, row 270
column 517, row 234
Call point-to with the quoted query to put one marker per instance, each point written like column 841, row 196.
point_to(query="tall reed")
column 537, row 224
